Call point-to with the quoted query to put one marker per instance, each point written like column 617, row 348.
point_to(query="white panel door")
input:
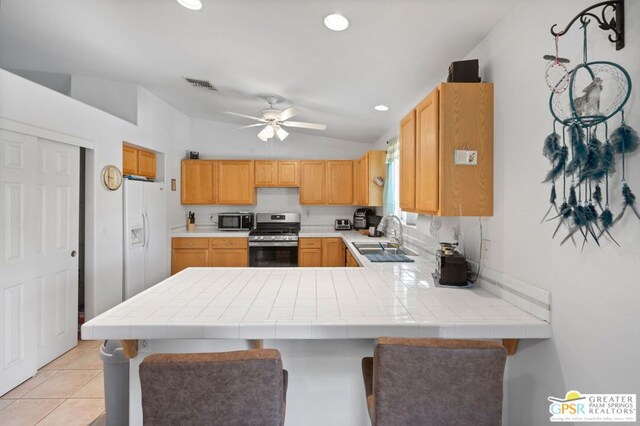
column 18, row 329
column 57, row 208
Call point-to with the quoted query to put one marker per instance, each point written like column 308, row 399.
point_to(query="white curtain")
column 391, row 195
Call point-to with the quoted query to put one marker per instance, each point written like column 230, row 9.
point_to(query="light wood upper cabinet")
column 454, row 116
column 427, row 165
column 138, row 161
column 146, row 163
column 313, row 181
column 408, row 162
column 371, row 164
column 288, row 173
column 199, row 182
column 272, row 173
column 236, row 182
column 129, row 160
column 266, row 173
column 333, row 254
column 339, row 182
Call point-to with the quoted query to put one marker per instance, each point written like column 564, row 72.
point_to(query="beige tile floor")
column 68, row 391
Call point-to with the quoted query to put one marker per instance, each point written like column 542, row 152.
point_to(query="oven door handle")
column 273, row 244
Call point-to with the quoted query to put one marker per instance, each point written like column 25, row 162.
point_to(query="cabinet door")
column 408, row 162
column 288, row 174
column 236, row 183
column 185, row 258
column 363, row 176
column 313, row 181
column 427, row 131
column 340, row 182
column 356, row 182
column 351, row 261
column 147, row 163
column 229, row 258
column 332, row 252
column 199, row 185
column 129, row 160
column 310, row 257
column 266, row 173
column 376, row 166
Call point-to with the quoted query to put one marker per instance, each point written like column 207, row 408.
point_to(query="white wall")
column 160, row 127
column 115, row 97
column 215, row 139
column 595, row 292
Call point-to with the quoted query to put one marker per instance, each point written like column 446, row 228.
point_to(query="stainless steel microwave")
column 235, row 221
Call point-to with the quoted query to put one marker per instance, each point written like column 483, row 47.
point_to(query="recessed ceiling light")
column 336, row 22
column 191, row 4
column 381, row 108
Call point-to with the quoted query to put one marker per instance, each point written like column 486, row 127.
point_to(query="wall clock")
column 111, row 177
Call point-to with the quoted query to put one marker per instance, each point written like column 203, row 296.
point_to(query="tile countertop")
column 395, row 299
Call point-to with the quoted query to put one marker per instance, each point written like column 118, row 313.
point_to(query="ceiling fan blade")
column 288, row 113
column 245, row 116
column 303, row 125
column 245, row 127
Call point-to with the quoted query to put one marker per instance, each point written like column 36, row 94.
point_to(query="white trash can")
column 116, row 383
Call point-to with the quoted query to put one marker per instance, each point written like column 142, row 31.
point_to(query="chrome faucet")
column 399, row 238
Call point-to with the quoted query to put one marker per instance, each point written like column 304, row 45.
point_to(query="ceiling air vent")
column 201, row 84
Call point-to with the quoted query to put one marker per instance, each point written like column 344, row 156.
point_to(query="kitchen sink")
column 382, row 248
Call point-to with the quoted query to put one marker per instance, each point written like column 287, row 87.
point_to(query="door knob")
column 73, row 253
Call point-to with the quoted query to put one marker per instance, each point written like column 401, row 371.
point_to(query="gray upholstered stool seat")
column 227, row 388
column 434, row 382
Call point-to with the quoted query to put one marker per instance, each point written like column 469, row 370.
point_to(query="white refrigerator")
column 146, row 239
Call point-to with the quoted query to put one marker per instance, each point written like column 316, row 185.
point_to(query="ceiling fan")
column 274, row 120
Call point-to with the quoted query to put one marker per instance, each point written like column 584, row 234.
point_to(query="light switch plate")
column 464, row 157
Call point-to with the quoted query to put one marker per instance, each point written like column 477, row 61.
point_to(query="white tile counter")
column 397, row 299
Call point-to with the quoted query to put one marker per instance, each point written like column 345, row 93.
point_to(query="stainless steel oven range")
column 274, row 240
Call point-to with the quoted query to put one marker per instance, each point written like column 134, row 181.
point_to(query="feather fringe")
column 579, row 149
column 624, row 139
column 573, row 199
column 559, row 164
column 592, row 168
column 597, row 196
column 551, row 146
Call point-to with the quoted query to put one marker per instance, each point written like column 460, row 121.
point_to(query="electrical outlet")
column 486, row 249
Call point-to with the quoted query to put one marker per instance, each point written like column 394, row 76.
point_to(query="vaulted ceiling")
column 393, row 52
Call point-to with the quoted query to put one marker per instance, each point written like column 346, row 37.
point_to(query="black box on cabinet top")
column 464, row 72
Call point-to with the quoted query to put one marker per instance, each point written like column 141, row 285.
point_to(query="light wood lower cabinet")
column 208, row 252
column 333, row 254
column 317, row 252
column 351, row 261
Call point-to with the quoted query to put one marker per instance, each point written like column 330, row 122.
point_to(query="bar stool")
column 434, row 382
column 227, row 388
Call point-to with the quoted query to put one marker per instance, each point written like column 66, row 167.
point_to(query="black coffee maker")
column 362, row 218
column 451, row 265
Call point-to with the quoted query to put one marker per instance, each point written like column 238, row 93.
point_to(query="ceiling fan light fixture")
column 191, row 4
column 381, row 107
column 266, row 133
column 336, row 22
column 281, row 133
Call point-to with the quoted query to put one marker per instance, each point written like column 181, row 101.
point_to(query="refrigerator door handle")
column 147, row 231
column 144, row 230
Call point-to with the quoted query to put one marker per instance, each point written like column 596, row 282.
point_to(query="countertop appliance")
column 274, row 240
column 342, row 225
column 374, row 221
column 146, row 239
column 451, row 265
column 241, row 221
column 361, row 218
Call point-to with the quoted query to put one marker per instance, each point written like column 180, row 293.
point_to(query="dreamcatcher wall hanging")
column 585, row 103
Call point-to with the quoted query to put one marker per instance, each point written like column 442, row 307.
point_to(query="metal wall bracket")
column 614, row 23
